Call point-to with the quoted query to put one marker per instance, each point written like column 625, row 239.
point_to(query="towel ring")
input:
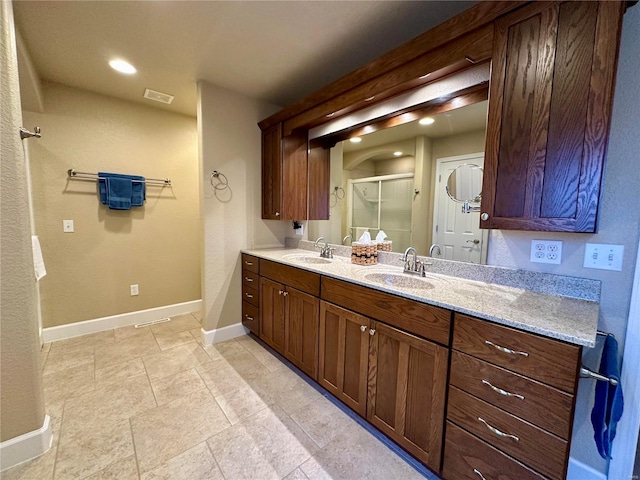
column 222, row 183
column 338, row 192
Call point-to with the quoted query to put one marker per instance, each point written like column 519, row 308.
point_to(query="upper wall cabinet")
column 553, row 73
column 295, row 180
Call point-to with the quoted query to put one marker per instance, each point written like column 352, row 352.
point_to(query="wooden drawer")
column 533, row 446
column 250, row 279
column 542, row 405
column 251, row 295
column 426, row 321
column 303, row 280
column 467, row 458
column 549, row 361
column 251, row 317
column 250, row 263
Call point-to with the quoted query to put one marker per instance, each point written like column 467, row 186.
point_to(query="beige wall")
column 230, row 143
column 155, row 246
column 21, row 397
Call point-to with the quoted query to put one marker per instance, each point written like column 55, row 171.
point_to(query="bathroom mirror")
column 395, row 179
column 464, row 184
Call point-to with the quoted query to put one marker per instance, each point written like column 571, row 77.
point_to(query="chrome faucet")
column 435, row 246
column 326, row 251
column 413, row 266
column 347, row 237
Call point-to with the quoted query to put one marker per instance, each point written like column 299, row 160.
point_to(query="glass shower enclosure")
column 382, row 203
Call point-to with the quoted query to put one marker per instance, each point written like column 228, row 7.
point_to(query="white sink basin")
column 399, row 280
column 304, row 258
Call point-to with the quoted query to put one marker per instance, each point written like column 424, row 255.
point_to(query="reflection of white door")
column 458, row 234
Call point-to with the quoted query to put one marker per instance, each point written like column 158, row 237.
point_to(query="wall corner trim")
column 61, row 332
column 218, row 335
column 26, row 446
column 581, row 471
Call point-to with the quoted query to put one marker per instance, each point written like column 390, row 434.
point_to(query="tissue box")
column 385, row 246
column 364, row 253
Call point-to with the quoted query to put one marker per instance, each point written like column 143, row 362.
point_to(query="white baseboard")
column 580, row 471
column 61, row 332
column 222, row 334
column 27, row 446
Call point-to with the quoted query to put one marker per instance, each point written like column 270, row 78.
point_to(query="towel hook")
column 222, row 182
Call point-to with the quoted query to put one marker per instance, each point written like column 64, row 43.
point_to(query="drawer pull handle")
column 248, row 263
column 363, row 328
column 479, row 473
column 248, row 279
column 498, row 432
column 506, row 350
column 248, row 317
column 249, row 295
column 501, row 391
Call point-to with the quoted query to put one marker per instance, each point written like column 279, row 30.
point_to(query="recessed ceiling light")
column 397, row 154
column 122, row 67
column 426, row 121
column 355, row 139
column 424, row 76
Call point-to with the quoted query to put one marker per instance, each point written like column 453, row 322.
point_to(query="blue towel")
column 119, row 192
column 138, row 188
column 609, row 403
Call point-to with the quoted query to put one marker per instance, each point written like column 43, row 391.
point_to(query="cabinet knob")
column 484, row 216
column 363, row 328
column 277, row 214
column 372, row 332
column 285, row 294
column 280, row 292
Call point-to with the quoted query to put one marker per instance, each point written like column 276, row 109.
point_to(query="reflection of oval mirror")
column 465, row 184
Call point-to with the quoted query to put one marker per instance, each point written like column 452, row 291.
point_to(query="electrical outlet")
column 299, row 230
column 67, row 226
column 134, row 290
column 546, row 251
column 604, row 257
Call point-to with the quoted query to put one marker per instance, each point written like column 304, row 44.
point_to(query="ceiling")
column 276, row 51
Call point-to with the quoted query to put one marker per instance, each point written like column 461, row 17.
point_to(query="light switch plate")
column 546, row 251
column 299, row 230
column 67, row 226
column 603, row 256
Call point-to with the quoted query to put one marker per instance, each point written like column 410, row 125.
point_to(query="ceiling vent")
column 158, row 96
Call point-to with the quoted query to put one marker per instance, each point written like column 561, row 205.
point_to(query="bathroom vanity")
column 474, row 379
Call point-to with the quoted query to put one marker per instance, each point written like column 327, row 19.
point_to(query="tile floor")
column 154, row 403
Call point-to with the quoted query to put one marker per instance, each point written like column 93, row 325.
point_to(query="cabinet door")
column 272, row 172
column 272, row 314
column 406, row 396
column 295, row 176
column 552, row 79
column 344, row 346
column 301, row 330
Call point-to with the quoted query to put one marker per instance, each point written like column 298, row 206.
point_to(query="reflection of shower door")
column 382, row 203
column 458, row 234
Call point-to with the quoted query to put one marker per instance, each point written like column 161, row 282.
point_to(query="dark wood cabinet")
column 272, row 172
column 295, row 179
column 272, row 313
column 250, row 293
column 302, row 315
column 344, row 353
column 552, row 79
column 406, row 391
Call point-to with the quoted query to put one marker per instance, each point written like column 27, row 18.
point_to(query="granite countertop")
column 572, row 320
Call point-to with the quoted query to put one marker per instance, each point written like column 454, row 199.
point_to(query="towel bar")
column 586, row 373
column 71, row 173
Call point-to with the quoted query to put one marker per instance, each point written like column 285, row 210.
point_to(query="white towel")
column 38, row 261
